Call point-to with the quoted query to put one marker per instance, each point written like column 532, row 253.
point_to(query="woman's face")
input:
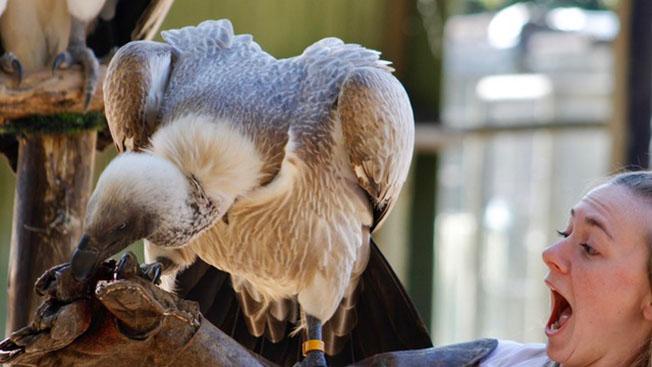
column 601, row 301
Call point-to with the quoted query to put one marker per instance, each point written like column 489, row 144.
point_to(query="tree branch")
column 47, row 93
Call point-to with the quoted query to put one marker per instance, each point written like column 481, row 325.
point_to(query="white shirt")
column 512, row 354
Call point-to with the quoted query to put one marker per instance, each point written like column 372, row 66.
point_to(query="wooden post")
column 53, row 185
column 54, row 172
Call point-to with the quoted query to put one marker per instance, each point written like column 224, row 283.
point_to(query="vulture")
column 256, row 183
column 36, row 34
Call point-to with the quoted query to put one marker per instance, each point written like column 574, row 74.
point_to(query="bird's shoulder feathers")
column 208, row 38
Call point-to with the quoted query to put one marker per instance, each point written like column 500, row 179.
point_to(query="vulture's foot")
column 152, row 272
column 78, row 53
column 12, row 66
column 128, row 267
column 313, row 359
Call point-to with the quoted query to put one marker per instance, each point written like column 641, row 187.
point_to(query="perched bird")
column 37, row 33
column 274, row 173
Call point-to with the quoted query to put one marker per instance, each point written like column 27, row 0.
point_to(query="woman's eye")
column 588, row 249
column 563, row 234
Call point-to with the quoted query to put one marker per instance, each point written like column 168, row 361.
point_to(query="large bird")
column 274, row 173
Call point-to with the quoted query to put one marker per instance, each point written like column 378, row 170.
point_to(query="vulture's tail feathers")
column 386, row 319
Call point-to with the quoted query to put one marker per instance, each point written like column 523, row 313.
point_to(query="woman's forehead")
column 618, row 207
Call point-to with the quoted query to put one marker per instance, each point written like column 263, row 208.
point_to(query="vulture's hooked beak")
column 85, row 259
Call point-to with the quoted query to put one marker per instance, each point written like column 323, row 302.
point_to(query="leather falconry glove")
column 121, row 319
column 118, row 319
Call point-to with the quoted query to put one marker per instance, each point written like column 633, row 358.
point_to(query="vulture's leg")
column 78, row 53
column 12, row 66
column 313, row 347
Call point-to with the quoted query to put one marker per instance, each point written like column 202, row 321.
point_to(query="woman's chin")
column 556, row 354
column 559, row 346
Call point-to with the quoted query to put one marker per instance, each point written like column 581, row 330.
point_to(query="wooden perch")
column 47, row 93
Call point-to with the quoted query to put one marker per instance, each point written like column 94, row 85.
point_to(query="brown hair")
column 640, row 184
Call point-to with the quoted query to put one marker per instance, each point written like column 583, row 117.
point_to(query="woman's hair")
column 640, row 184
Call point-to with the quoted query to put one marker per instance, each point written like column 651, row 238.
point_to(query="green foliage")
column 285, row 27
column 55, row 124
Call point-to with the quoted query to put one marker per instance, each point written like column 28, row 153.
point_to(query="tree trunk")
column 53, row 185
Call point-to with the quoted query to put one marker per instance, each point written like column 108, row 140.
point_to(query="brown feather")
column 253, row 312
column 275, row 329
column 131, row 114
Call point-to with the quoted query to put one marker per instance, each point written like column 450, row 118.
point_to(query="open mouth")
column 561, row 313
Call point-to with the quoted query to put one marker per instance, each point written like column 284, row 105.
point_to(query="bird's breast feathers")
column 308, row 219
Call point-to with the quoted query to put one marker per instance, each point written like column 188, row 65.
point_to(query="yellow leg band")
column 312, row 345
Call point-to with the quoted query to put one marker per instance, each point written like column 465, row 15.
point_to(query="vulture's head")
column 137, row 195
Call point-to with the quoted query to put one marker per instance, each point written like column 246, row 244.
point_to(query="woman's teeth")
column 565, row 315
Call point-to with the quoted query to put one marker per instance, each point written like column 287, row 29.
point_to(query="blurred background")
column 520, row 106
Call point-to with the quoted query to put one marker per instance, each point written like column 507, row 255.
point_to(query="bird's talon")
column 9, row 350
column 47, row 283
column 62, row 61
column 18, row 70
column 152, row 272
column 8, row 355
column 127, row 266
column 80, row 54
column 12, row 66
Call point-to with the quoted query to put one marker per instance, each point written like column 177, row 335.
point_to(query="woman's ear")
column 647, row 306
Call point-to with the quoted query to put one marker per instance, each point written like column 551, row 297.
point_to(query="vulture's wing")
column 120, row 22
column 378, row 128
column 133, row 91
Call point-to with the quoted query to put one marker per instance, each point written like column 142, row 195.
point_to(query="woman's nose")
column 554, row 258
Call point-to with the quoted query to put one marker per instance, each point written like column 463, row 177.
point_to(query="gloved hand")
column 118, row 319
column 121, row 319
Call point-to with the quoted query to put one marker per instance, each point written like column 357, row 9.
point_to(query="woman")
column 599, row 278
